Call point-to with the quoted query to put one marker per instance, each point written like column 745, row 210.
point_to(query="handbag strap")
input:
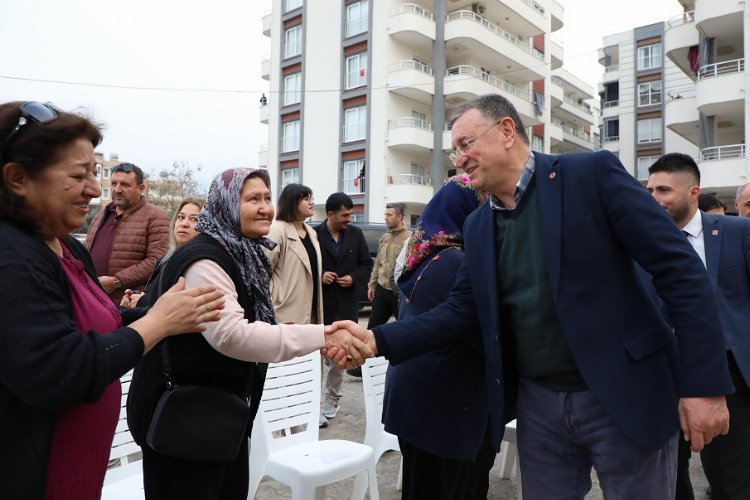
column 166, row 369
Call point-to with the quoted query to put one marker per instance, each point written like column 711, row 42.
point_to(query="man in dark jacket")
column 346, row 261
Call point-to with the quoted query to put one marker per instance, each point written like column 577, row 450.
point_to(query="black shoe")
column 355, row 372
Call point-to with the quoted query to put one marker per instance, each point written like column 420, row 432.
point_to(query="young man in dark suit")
column 346, row 262
column 723, row 244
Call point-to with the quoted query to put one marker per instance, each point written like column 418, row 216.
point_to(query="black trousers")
column 384, row 305
column 726, row 461
column 437, row 478
column 166, row 478
column 684, row 490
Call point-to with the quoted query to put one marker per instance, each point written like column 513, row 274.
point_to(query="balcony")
column 410, row 134
column 263, row 155
column 466, row 82
column 611, row 73
column 412, row 80
column 576, row 139
column 408, row 188
column 681, row 113
column 556, row 132
column 574, row 111
column 679, row 35
column 718, row 18
column 469, row 34
column 720, row 90
column 264, row 113
column 723, row 165
column 265, row 69
column 267, row 19
column 557, row 13
column 610, row 109
column 556, row 92
column 412, row 25
column 556, row 54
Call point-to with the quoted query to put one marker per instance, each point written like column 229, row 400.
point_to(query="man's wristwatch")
column 117, row 283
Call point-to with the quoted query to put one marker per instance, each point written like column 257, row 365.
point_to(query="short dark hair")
column 708, row 202
column 36, row 147
column 398, row 207
column 338, row 200
column 127, row 168
column 494, row 108
column 291, row 195
column 673, row 163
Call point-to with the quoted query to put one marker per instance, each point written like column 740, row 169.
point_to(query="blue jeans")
column 562, row 435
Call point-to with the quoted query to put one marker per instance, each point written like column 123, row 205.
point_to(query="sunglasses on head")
column 33, row 112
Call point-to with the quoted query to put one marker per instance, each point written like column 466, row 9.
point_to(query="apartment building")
column 681, row 86
column 359, row 96
column 103, row 175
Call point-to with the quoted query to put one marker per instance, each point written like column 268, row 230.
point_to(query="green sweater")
column 527, row 310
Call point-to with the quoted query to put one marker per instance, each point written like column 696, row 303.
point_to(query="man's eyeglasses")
column 466, row 144
column 32, row 112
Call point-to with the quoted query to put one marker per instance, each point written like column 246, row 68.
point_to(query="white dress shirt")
column 694, row 230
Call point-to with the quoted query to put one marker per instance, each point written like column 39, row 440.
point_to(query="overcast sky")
column 212, row 51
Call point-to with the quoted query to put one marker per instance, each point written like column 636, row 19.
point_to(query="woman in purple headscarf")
column 433, row 402
column 231, row 353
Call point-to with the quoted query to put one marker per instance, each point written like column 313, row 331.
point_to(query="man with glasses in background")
column 571, row 345
column 128, row 235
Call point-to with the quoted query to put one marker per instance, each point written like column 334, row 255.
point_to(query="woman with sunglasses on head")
column 63, row 346
column 182, row 230
column 231, row 354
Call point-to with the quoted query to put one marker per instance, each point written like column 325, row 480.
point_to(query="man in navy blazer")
column 570, row 341
column 723, row 244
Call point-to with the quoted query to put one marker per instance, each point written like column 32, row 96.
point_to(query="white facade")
column 377, row 84
column 704, row 82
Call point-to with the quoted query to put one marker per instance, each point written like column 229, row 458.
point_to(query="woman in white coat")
column 295, row 283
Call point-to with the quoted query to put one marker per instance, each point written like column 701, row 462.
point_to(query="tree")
column 172, row 185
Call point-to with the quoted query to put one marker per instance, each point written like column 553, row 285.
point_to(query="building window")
column 353, row 177
column 355, row 124
column 290, row 5
column 611, row 130
column 292, row 87
column 105, row 193
column 649, row 130
column 649, row 56
column 290, row 141
column 356, row 18
column 537, row 143
column 293, row 42
column 419, row 119
column 644, row 162
column 289, row 176
column 106, row 173
column 356, row 70
column 649, row 93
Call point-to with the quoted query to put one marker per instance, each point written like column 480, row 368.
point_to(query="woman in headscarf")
column 230, row 354
column 433, row 400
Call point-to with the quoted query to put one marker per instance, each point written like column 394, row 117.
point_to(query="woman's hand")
column 182, row 311
column 130, row 298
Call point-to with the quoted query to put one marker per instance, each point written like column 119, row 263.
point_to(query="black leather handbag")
column 198, row 423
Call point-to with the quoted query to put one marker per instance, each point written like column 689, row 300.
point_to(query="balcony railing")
column 684, row 18
column 681, row 92
column 408, row 121
column 558, row 82
column 409, row 64
column 611, row 138
column 410, row 179
column 411, row 8
column 610, row 104
column 477, row 73
column 723, row 152
column 611, row 68
column 722, row 68
column 577, row 105
column 483, row 21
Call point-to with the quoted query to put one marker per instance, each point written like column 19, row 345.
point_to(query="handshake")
column 348, row 344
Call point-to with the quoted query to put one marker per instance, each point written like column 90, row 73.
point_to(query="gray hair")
column 740, row 190
column 493, row 107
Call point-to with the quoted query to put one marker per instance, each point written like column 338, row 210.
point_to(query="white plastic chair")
column 125, row 481
column 373, row 385
column 509, row 456
column 291, row 399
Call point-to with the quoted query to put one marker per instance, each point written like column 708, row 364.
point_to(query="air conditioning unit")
column 477, row 8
